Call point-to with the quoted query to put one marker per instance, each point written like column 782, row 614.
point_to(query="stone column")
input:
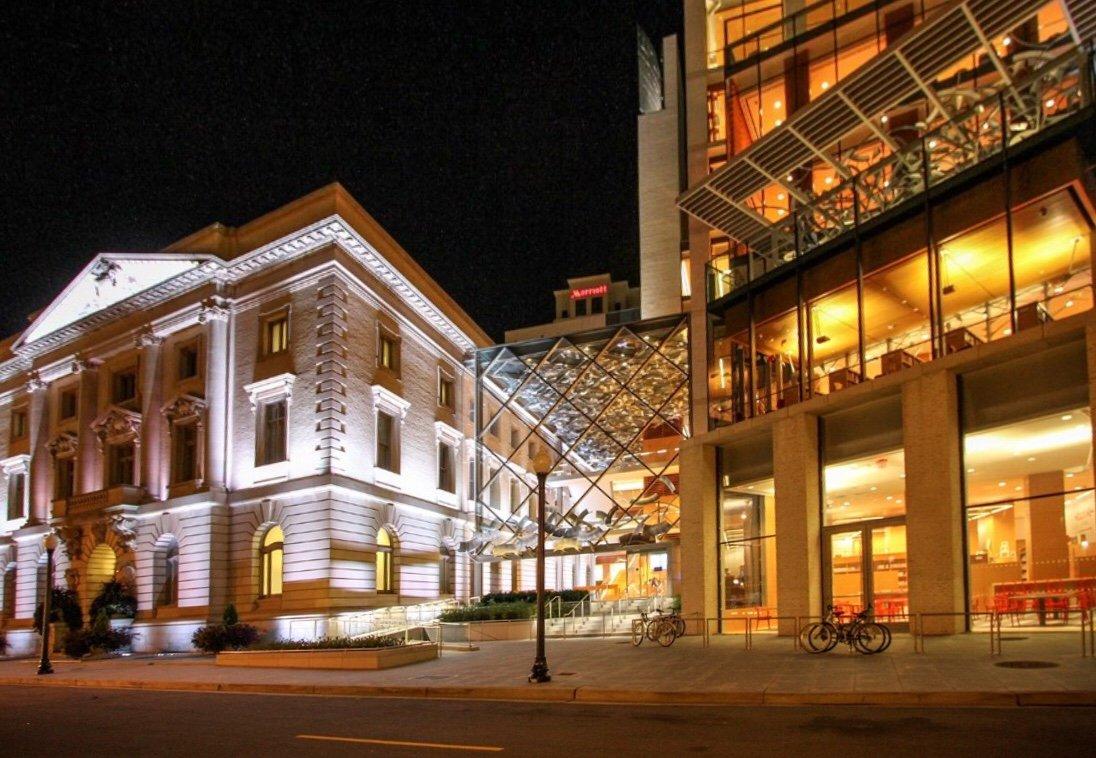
column 798, row 523
column 699, row 510
column 215, row 315
column 89, row 461
column 153, row 477
column 934, row 513
column 40, row 472
column 1048, row 544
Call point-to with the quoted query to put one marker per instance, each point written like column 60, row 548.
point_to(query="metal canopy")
column 893, row 77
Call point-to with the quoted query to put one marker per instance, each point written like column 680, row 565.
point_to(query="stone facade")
column 159, row 397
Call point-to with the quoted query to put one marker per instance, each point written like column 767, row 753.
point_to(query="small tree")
column 230, row 616
column 64, row 605
column 116, row 599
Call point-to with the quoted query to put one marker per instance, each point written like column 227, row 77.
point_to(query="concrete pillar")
column 39, row 489
column 215, row 315
column 798, row 523
column 1048, row 545
column 152, row 421
column 699, row 511
column 934, row 513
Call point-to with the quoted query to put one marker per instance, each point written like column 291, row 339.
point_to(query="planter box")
column 362, row 659
column 489, row 631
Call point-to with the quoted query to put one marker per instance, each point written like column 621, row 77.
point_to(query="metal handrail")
column 555, row 600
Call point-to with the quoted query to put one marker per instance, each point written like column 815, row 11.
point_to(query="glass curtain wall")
column 1031, row 519
column 874, row 310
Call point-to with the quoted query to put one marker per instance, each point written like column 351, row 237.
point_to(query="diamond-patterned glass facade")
column 610, row 407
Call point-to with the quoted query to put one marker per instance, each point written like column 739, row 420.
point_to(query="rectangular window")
column 598, row 305
column 580, row 307
column 188, row 361
column 275, row 333
column 272, row 440
column 120, row 464
column 184, row 440
column 18, row 423
column 388, row 351
column 17, row 493
column 471, row 480
column 515, row 495
column 67, row 405
column 124, row 386
column 515, row 438
column 446, row 392
column 386, row 433
column 64, row 480
column 447, row 479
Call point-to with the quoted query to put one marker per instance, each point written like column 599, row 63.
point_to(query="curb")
column 591, row 695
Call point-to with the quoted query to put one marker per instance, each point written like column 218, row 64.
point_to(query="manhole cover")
column 1027, row 665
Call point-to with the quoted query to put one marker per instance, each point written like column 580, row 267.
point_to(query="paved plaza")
column 954, row 670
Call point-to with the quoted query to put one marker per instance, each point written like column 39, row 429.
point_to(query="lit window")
column 271, row 560
column 386, row 442
column 275, row 334
column 388, row 352
column 385, row 581
column 446, row 392
column 686, row 285
column 446, row 574
column 272, row 433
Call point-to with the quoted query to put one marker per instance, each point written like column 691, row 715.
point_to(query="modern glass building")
column 889, row 237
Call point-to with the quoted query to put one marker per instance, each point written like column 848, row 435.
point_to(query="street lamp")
column 542, row 464
column 49, row 542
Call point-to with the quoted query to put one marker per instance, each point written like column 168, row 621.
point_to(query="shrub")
column 331, row 643
column 116, row 599
column 530, row 596
column 64, row 605
column 99, row 637
column 213, row 638
column 489, row 612
column 3, row 642
column 230, row 617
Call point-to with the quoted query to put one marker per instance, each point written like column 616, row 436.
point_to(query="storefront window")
column 864, row 535
column 1030, row 519
column 748, row 551
column 835, row 340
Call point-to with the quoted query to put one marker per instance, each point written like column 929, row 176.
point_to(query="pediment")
column 116, row 423
column 110, row 279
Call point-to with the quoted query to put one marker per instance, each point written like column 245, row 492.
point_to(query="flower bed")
column 346, row 659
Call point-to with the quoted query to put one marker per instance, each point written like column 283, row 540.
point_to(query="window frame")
column 388, row 349
column 386, row 441
column 187, row 348
column 266, row 560
column 264, row 450
column 274, row 333
column 384, row 580
column 18, row 430
column 116, row 460
column 119, row 380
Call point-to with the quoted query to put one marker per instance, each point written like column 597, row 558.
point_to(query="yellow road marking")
column 401, row 743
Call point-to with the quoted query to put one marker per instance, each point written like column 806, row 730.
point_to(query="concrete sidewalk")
column 954, row 671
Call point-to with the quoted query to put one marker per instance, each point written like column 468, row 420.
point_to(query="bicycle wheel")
column 870, row 638
column 638, row 632
column 667, row 633
column 679, row 626
column 887, row 634
column 820, row 637
column 653, row 627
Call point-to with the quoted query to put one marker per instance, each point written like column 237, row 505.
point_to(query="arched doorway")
column 102, row 563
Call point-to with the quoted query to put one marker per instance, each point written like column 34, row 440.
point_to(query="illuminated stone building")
column 276, row 416
column 888, row 215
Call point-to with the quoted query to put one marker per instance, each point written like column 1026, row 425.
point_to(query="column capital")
column 214, row 309
column 148, row 338
column 35, row 382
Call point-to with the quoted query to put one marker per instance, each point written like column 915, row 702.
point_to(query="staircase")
column 602, row 618
column 391, row 620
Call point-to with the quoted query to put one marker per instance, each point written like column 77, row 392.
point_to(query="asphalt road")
column 59, row 721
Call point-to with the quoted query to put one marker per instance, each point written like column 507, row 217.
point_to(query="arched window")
column 446, row 574
column 271, row 557
column 169, row 575
column 384, row 562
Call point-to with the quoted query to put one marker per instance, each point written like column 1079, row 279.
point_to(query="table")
column 1040, row 599
column 896, row 360
column 960, row 339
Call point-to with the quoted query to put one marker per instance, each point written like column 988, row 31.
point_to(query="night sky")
column 494, row 140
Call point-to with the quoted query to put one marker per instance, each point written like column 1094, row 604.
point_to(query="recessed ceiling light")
column 1031, row 458
column 970, row 471
column 1067, row 417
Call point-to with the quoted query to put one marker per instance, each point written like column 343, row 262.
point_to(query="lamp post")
column 50, row 544
column 542, row 464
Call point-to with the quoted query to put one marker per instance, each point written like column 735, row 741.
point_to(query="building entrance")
column 865, row 565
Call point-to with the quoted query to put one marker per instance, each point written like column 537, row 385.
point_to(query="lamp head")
column 542, row 464
column 50, row 541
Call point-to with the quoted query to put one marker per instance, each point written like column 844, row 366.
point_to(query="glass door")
column 865, row 564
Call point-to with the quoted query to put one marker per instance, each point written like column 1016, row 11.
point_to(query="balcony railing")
column 91, row 502
column 1005, row 118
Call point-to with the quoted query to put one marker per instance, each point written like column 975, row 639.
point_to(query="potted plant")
column 97, row 641
column 117, row 601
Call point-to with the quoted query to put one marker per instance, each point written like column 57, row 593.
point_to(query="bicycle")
column 859, row 633
column 662, row 629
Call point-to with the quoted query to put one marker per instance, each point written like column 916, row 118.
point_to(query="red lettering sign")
column 600, row 289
